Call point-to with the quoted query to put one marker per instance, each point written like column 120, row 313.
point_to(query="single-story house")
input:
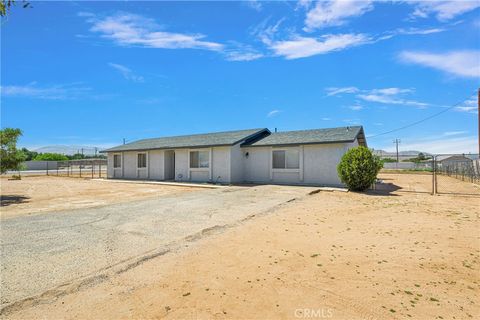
column 307, row 157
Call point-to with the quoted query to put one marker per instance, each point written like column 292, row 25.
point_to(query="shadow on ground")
column 6, row 200
column 384, row 189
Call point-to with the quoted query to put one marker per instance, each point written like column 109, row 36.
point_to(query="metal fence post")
column 47, row 168
column 434, row 176
column 93, row 166
column 80, row 167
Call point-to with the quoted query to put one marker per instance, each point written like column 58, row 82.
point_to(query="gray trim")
column 296, row 144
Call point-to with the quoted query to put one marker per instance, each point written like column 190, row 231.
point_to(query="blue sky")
column 93, row 73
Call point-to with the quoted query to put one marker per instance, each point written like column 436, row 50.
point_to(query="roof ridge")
column 319, row 129
column 199, row 134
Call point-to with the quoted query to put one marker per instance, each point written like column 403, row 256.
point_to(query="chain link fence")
column 457, row 174
column 85, row 168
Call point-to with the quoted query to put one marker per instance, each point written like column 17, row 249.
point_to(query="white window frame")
column 286, row 169
column 146, row 161
column 210, row 164
column 202, row 168
column 121, row 161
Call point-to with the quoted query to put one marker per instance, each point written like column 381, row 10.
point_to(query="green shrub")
column 358, row 168
column 51, row 157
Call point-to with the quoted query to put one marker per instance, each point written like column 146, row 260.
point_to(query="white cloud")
column 241, row 52
column 453, row 133
column 469, row 106
column 386, row 99
column 332, row 91
column 301, row 47
column 304, row 4
column 126, row 72
column 55, row 92
column 413, row 31
column 128, row 29
column 243, row 56
column 382, row 95
column 254, row 4
column 391, row 91
column 273, row 113
column 460, row 63
column 335, row 13
column 326, row 119
column 356, row 107
column 467, row 109
column 443, row 10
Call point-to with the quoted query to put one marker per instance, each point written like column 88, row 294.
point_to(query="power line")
column 419, row 121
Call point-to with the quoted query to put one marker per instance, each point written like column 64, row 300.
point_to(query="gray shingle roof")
column 316, row 136
column 226, row 138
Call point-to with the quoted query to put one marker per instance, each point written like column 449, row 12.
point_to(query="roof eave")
column 297, row 144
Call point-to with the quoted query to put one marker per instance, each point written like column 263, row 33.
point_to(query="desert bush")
column 358, row 168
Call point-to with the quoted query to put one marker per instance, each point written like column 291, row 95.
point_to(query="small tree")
column 358, row 168
column 10, row 157
column 51, row 157
column 29, row 155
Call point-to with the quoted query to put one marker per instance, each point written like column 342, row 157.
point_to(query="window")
column 199, row 159
column 117, row 161
column 285, row 159
column 141, row 160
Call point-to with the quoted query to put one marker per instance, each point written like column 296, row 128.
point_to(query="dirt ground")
column 395, row 253
column 35, row 194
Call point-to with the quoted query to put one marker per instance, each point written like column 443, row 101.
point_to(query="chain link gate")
column 456, row 174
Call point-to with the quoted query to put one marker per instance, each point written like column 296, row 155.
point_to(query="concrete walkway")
column 47, row 255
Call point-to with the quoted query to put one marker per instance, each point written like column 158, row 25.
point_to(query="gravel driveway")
column 51, row 254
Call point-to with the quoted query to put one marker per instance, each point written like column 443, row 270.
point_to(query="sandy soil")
column 384, row 255
column 49, row 193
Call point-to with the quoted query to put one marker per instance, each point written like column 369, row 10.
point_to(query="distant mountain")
column 68, row 150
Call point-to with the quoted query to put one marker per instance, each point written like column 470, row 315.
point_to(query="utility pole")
column 123, row 140
column 96, row 152
column 397, row 141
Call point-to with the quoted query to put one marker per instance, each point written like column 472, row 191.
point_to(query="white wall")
column 237, row 159
column 256, row 168
column 220, row 164
column 181, row 164
column 219, row 170
column 129, row 164
column 318, row 165
column 110, row 165
column 156, row 163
